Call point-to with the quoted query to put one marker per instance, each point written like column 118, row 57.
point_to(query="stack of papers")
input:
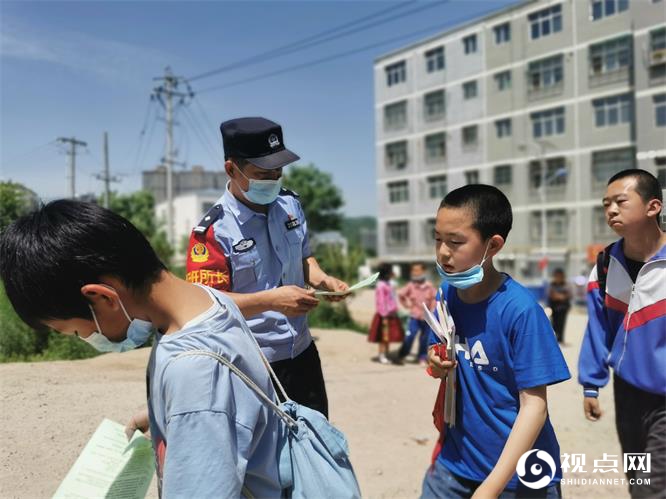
column 445, row 330
column 110, row 467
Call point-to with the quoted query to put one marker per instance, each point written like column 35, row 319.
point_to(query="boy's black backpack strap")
column 603, row 260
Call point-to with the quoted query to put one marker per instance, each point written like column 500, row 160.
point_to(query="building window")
column 434, row 105
column 660, row 112
column 605, row 164
column 470, row 90
column 600, row 226
column 472, row 177
column 435, row 147
column 502, row 175
column 657, row 55
column 437, row 187
column 557, row 225
column 430, row 231
column 503, row 80
column 610, row 56
column 611, row 111
column 395, row 116
column 398, row 192
column 396, row 155
column 545, row 123
column 556, row 173
column 545, row 73
column 397, row 233
column 605, row 8
column 502, row 33
column 545, row 22
column 469, row 42
column 503, row 128
column 470, row 136
column 396, row 73
column 434, row 59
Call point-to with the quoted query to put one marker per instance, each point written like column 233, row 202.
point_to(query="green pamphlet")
column 110, row 466
column 365, row 282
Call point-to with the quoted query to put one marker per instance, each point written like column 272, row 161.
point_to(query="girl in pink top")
column 386, row 326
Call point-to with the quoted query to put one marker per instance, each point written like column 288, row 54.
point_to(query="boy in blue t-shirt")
column 502, row 443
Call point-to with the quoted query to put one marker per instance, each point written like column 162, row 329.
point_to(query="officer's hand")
column 332, row 284
column 439, row 367
column 292, row 300
column 592, row 408
column 138, row 422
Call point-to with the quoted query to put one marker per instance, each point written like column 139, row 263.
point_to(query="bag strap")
column 603, row 261
column 248, row 381
column 264, row 360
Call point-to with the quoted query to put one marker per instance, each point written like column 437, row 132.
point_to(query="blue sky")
column 82, row 68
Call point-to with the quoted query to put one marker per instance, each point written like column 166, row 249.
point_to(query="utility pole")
column 73, row 143
column 165, row 94
column 105, row 176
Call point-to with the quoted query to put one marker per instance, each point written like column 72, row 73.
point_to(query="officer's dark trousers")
column 640, row 418
column 303, row 380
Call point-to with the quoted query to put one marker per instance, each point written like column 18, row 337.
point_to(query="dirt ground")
column 50, row 409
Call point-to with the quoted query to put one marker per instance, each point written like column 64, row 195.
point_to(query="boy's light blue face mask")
column 137, row 334
column 262, row 191
column 466, row 278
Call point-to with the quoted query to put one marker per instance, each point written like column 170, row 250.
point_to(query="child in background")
column 386, row 326
column 418, row 292
column 626, row 328
column 559, row 301
column 506, row 356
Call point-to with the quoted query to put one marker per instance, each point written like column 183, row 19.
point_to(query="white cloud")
column 107, row 59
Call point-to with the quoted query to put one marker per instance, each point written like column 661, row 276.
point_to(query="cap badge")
column 273, row 140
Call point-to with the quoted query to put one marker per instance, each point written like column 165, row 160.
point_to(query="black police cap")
column 256, row 140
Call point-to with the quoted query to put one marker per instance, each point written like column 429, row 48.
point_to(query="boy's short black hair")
column 47, row 255
column 647, row 185
column 385, row 270
column 491, row 208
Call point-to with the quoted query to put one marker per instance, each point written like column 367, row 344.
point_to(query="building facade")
column 545, row 100
column 184, row 181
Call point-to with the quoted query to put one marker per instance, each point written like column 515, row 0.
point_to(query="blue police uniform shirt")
column 265, row 251
column 212, row 435
column 504, row 344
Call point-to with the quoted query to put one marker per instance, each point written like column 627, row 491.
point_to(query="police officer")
column 253, row 244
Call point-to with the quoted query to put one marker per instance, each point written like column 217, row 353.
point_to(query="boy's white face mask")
column 138, row 333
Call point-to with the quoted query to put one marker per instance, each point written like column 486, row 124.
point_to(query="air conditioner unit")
column 657, row 57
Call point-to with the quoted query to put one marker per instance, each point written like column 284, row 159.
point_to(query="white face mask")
column 138, row 333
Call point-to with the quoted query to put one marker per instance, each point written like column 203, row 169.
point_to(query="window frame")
column 435, row 59
column 396, row 73
column 550, row 17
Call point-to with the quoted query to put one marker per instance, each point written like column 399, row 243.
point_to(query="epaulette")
column 215, row 213
column 287, row 192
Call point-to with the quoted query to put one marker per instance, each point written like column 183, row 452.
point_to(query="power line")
column 335, row 56
column 196, row 127
column 303, row 42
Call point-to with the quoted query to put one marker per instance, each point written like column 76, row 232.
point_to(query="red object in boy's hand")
column 440, row 349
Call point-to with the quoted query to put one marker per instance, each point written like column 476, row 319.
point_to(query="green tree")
column 320, row 197
column 14, row 202
column 139, row 208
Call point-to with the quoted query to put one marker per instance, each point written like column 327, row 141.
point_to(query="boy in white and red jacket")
column 627, row 325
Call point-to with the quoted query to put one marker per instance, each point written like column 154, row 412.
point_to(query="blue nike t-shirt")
column 504, row 344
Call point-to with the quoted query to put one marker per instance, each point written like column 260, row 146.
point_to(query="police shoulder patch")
column 215, row 213
column 244, row 245
column 287, row 192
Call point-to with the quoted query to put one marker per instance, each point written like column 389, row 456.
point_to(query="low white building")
column 188, row 209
